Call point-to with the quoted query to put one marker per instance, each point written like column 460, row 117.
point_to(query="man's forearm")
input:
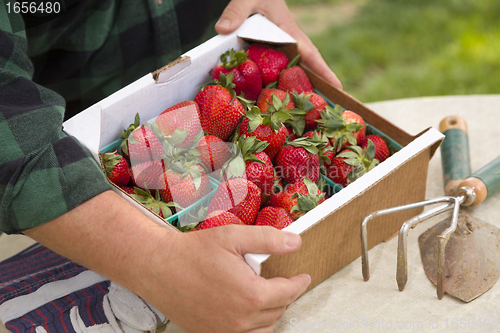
column 108, row 235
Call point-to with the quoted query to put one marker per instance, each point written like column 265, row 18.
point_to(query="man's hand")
column 211, row 288
column 277, row 11
column 199, row 280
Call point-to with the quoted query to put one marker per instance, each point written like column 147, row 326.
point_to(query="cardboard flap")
column 175, row 67
column 258, row 28
column 86, row 127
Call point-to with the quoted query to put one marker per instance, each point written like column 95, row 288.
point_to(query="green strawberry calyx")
column 311, row 145
column 123, row 149
column 110, row 161
column 323, row 146
column 276, row 116
column 155, row 203
column 186, row 167
column 363, row 161
column 307, row 202
column 294, row 61
column 333, row 125
column 250, row 146
column 233, row 58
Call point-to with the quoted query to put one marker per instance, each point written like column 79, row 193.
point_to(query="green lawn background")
column 391, row 49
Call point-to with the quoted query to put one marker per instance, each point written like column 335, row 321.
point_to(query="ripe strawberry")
column 294, row 79
column 183, row 182
column 298, row 160
column 269, row 60
column 220, row 110
column 128, row 189
column 258, row 167
column 116, row 167
column 343, row 128
column 265, row 99
column 213, row 152
column 219, row 218
column 246, row 73
column 154, row 204
column 381, row 150
column 180, row 124
column 312, row 104
column 140, row 143
column 298, row 198
column 351, row 164
column 238, row 196
column 274, row 216
column 265, row 127
column 145, row 175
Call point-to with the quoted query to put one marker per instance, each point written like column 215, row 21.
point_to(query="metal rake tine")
column 364, row 232
column 402, row 261
column 443, row 240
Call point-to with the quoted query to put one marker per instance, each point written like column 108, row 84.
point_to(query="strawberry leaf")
column 272, row 85
column 178, row 136
column 294, row 61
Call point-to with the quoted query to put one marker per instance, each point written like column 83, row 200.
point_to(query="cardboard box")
column 330, row 232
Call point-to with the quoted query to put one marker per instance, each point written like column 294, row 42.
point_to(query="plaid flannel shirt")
column 52, row 67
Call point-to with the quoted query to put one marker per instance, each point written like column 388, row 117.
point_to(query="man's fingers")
column 283, row 292
column 235, row 13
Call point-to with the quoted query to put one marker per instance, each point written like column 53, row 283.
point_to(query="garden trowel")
column 461, row 255
column 472, row 255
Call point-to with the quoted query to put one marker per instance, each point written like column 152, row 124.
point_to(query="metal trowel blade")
column 472, row 256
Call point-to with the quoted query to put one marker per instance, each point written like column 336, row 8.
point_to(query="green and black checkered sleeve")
column 44, row 173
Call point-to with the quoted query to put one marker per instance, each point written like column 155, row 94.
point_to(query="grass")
column 390, row 49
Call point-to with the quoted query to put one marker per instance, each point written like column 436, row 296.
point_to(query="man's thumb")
column 235, row 13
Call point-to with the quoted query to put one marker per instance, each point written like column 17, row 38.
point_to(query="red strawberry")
column 298, row 160
column 183, row 182
column 258, row 167
column 128, row 189
column 117, row 169
column 220, row 110
column 381, row 150
column 298, row 198
column 154, row 204
column 145, row 175
column 238, row 196
column 269, row 126
column 312, row 104
column 274, row 216
column 219, row 218
column 294, row 79
column 180, row 124
column 265, row 99
column 246, row 73
column 351, row 164
column 343, row 128
column 213, row 152
column 140, row 143
column 269, row 60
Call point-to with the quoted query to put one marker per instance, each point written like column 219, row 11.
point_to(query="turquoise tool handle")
column 490, row 176
column 455, row 157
